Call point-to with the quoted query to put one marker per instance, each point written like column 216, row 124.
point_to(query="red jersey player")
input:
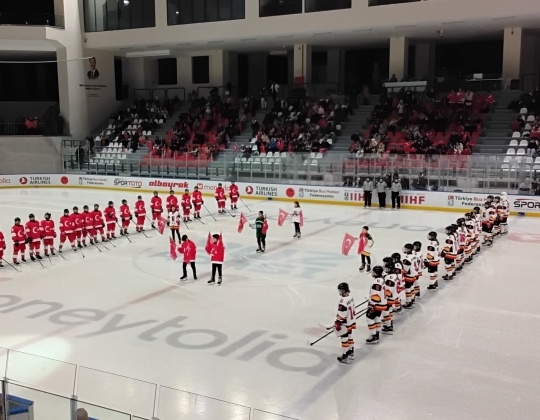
column 78, row 221
column 98, row 223
column 220, row 198
column 48, row 233
column 67, row 231
column 140, row 213
column 88, row 229
column 156, row 205
column 234, row 194
column 172, row 200
column 19, row 241
column 110, row 220
column 189, row 250
column 216, row 250
column 186, row 205
column 125, row 215
column 2, row 248
column 197, row 201
column 33, row 237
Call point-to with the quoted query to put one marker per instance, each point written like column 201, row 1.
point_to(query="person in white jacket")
column 296, row 219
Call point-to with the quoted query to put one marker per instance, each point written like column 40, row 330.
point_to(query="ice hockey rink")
column 466, row 351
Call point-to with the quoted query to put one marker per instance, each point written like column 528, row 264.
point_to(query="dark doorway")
column 277, row 69
column 118, row 81
column 243, row 75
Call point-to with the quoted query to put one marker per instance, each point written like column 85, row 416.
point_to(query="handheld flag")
column 161, row 225
column 363, row 243
column 282, row 217
column 265, row 226
column 347, row 244
column 241, row 222
column 208, row 243
column 172, row 249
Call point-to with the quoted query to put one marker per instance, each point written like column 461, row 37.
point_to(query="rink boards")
column 418, row 200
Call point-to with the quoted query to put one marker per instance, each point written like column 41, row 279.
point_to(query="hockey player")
column 33, row 237
column 48, row 233
column 449, row 253
column 409, row 275
column 261, row 227
column 461, row 232
column 140, row 214
column 497, row 222
column 433, row 252
column 126, row 217
column 99, row 224
column 296, row 212
column 156, row 206
column 504, row 210
column 216, row 250
column 391, row 293
column 396, row 256
column 234, row 195
column 172, row 200
column 110, row 220
column 198, row 202
column 376, row 304
column 363, row 244
column 220, row 198
column 345, row 322
column 477, row 216
column 19, row 241
column 67, row 231
column 189, row 251
column 488, row 220
column 419, row 265
column 186, row 206
column 2, row 248
column 470, row 244
column 78, row 222
column 173, row 221
column 88, row 229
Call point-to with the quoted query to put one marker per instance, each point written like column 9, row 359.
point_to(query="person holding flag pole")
column 363, row 244
column 216, row 250
column 261, row 227
column 298, row 219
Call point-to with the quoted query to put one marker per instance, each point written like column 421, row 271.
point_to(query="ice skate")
column 32, row 258
column 39, row 257
column 295, row 235
column 432, row 286
column 16, row 262
column 52, row 252
column 153, row 226
column 46, row 254
column 389, row 330
column 79, row 245
column 263, row 249
column 350, row 354
column 183, row 277
column 409, row 305
column 343, row 358
column 362, row 267
column 211, row 281
column 368, row 269
column 446, row 277
column 219, row 281
column 23, row 259
column 373, row 339
column 258, row 250
column 1, row 265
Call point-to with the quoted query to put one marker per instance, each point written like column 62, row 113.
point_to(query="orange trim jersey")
column 346, row 312
column 377, row 297
column 433, row 253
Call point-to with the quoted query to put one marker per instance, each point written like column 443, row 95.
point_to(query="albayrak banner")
column 421, row 200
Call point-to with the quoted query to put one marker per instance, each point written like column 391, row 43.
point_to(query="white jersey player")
column 396, row 256
column 449, row 253
column 461, row 234
column 410, row 275
column 503, row 210
column 470, row 244
column 391, row 293
column 433, row 254
column 418, row 265
column 345, row 322
column 477, row 216
column 488, row 220
column 376, row 305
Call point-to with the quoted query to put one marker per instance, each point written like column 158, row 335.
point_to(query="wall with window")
column 112, row 15
column 28, row 12
column 183, row 12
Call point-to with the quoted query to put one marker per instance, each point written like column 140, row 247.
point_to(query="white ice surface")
column 467, row 351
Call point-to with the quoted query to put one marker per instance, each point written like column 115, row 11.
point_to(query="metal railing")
column 53, row 389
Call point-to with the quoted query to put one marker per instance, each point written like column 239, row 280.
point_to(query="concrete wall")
column 33, row 155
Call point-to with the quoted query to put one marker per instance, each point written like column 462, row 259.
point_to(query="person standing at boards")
column 296, row 218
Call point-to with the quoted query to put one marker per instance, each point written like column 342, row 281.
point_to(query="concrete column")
column 161, row 14
column 302, row 64
column 511, row 68
column 219, row 68
column 424, row 65
column 399, row 57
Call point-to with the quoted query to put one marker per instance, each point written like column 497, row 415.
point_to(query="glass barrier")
column 101, row 413
column 29, row 403
column 116, row 391
column 177, row 405
column 37, row 371
column 265, row 415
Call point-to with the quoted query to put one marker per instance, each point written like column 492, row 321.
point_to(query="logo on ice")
column 130, row 183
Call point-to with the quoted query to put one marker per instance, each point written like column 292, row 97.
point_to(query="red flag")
column 347, row 244
column 264, row 226
column 282, row 217
column 301, row 215
column 241, row 222
column 172, row 249
column 161, row 225
column 220, row 240
column 208, row 243
column 363, row 242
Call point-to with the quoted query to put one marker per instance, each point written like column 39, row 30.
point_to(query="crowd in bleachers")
column 405, row 124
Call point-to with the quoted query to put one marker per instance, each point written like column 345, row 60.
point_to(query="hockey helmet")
column 47, row 216
column 17, row 220
column 389, row 266
column 96, row 206
column 407, row 248
column 124, row 201
column 343, row 288
column 432, row 236
column 454, row 227
column 417, row 246
column 468, row 216
column 489, row 198
column 155, row 193
column 476, row 210
column 31, row 216
column 111, row 203
column 460, row 221
column 497, row 199
column 449, row 230
column 85, row 208
column 377, row 271
column 66, row 211
column 75, row 208
column 503, row 195
column 396, row 256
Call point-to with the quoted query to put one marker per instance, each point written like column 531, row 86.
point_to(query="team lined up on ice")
column 76, row 227
column 402, row 274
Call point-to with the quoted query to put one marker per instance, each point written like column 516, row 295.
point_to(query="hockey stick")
column 185, row 223
column 357, row 306
column 244, row 204
column 209, row 213
column 123, row 234
column 230, row 214
column 198, row 219
column 50, row 261
column 59, row 253
column 332, row 330
column 42, row 266
column 151, row 223
column 139, row 231
column 12, row 266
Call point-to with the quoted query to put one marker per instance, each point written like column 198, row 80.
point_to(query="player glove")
column 130, row 217
column 28, row 240
column 337, row 325
column 16, row 243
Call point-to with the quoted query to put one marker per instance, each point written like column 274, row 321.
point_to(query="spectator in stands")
column 82, row 414
column 420, row 183
column 79, row 156
column 393, row 79
column 469, row 97
column 532, row 147
column 59, row 120
column 525, row 187
column 91, row 144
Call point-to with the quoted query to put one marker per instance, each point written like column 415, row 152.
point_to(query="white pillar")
column 511, row 68
column 161, row 14
column 399, row 57
column 302, row 64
